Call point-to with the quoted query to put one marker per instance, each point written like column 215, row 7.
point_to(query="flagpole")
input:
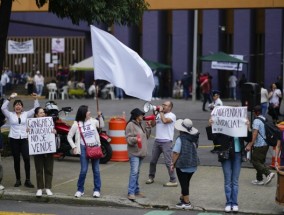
column 97, row 98
column 194, row 73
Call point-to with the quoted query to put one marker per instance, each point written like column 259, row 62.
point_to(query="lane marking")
column 159, row 212
column 21, row 213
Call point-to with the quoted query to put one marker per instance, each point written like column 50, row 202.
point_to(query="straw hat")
column 185, row 125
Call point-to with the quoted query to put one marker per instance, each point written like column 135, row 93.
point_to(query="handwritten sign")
column 41, row 138
column 230, row 121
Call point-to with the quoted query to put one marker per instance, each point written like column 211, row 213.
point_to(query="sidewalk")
column 206, row 191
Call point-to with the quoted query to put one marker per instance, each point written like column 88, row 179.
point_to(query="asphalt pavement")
column 206, row 188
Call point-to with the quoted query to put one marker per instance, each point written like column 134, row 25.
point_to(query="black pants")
column 206, row 98
column 20, row 146
column 184, row 180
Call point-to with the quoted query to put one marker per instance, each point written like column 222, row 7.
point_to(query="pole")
column 194, row 70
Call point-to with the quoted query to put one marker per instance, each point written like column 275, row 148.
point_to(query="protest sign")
column 41, row 138
column 229, row 120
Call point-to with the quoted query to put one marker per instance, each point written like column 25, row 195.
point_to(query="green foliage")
column 100, row 11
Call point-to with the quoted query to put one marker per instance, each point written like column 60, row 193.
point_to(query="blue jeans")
column 39, row 89
column 264, row 107
column 231, row 170
column 233, row 92
column 84, row 169
column 133, row 186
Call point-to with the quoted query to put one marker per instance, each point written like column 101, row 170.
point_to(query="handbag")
column 209, row 133
column 92, row 152
column 224, row 155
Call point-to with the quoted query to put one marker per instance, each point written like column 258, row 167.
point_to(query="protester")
column 39, row 82
column 84, row 129
column 260, row 149
column 232, row 166
column 30, row 84
column 185, row 83
column 1, row 167
column 216, row 102
column 43, row 165
column 279, row 153
column 18, row 135
column 185, row 158
column 118, row 93
column 4, row 82
column 233, row 85
column 206, row 90
column 136, row 134
column 92, row 91
column 263, row 99
column 177, row 90
column 274, row 102
column 164, row 123
column 156, row 91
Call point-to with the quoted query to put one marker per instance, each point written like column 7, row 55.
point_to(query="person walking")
column 43, row 165
column 260, row 149
column 233, row 85
column 137, row 135
column 185, row 158
column 84, row 129
column 18, row 135
column 206, row 90
column 39, row 82
column 232, row 166
column 185, row 83
column 164, row 123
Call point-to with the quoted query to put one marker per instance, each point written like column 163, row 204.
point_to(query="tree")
column 101, row 11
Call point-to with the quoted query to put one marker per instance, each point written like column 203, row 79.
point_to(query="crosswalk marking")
column 157, row 212
column 20, row 213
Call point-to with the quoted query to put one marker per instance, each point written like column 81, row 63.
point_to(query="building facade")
column 166, row 36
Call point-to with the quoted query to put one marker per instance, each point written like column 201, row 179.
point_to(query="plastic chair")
column 52, row 93
column 64, row 92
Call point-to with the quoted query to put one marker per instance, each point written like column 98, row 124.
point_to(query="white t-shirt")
column 275, row 97
column 263, row 95
column 165, row 131
column 88, row 131
column 232, row 81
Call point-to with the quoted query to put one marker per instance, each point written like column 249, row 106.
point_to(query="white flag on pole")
column 120, row 65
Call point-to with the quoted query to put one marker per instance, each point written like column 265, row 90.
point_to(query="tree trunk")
column 5, row 13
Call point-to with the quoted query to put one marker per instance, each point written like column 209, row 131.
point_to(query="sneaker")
column 170, row 184
column 140, row 195
column 2, row 187
column 228, row 208
column 48, row 192
column 269, row 178
column 29, row 184
column 235, row 208
column 78, row 194
column 18, row 183
column 184, row 205
column 96, row 194
column 150, row 181
column 39, row 193
column 131, row 197
column 256, row 182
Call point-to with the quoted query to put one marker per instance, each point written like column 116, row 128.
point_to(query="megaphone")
column 149, row 118
column 148, row 106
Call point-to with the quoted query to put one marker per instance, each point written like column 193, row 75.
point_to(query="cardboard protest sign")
column 41, row 138
column 230, row 121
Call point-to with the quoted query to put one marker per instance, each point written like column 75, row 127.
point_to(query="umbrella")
column 155, row 65
column 221, row 57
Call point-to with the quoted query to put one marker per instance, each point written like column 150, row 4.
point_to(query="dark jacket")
column 225, row 142
column 188, row 154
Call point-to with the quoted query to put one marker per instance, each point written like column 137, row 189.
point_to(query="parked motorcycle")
column 62, row 129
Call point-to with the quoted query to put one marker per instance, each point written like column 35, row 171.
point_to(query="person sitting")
column 92, row 91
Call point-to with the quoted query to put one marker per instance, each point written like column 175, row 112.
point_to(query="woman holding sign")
column 85, row 131
column 231, row 156
column 18, row 135
column 43, row 165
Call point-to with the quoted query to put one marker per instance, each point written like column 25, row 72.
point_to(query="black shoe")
column 204, row 110
column 29, row 184
column 214, row 151
column 18, row 183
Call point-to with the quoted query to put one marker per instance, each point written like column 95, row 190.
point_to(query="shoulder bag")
column 92, row 152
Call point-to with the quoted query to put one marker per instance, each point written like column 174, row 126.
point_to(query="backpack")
column 272, row 132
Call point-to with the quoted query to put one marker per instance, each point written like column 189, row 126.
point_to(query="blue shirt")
column 258, row 125
column 237, row 144
column 177, row 148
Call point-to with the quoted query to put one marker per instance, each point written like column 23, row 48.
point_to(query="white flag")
column 121, row 66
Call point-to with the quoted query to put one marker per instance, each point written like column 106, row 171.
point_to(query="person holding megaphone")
column 165, row 121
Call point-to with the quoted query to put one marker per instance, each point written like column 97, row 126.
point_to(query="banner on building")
column 40, row 135
column 57, row 45
column 229, row 120
column 26, row 47
column 228, row 65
